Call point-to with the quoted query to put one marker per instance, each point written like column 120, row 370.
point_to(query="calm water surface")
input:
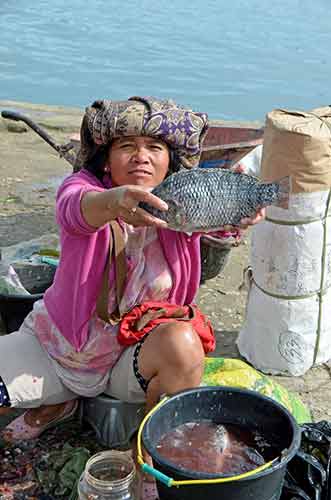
column 234, row 59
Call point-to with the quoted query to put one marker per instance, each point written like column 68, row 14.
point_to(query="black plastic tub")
column 14, row 308
column 228, row 406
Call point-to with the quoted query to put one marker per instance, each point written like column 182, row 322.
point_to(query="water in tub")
column 206, row 446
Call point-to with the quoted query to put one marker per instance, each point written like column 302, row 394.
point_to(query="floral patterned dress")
column 148, row 278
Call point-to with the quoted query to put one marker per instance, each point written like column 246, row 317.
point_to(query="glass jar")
column 109, row 475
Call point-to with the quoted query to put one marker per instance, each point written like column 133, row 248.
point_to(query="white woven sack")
column 287, row 328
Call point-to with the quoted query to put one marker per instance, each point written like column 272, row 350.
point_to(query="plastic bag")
column 10, row 283
column 29, row 266
column 237, row 373
column 251, row 162
column 24, row 249
column 308, row 473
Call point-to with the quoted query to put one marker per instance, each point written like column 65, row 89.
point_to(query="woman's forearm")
column 98, row 208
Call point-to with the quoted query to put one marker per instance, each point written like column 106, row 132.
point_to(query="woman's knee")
column 174, row 346
column 182, row 345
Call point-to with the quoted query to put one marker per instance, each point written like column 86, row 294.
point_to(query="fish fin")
column 284, row 192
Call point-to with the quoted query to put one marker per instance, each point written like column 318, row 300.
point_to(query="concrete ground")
column 30, row 173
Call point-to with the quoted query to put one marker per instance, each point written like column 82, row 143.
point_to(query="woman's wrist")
column 98, row 208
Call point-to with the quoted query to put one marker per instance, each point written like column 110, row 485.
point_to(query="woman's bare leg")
column 31, row 381
column 171, row 359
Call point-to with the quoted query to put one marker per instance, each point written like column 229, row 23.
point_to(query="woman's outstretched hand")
column 127, row 199
column 98, row 208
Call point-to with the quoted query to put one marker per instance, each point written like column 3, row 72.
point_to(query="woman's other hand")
column 251, row 221
column 260, row 213
column 247, row 221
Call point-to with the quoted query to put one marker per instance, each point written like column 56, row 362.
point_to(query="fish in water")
column 206, row 446
column 222, row 440
column 208, row 199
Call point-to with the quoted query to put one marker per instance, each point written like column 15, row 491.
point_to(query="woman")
column 67, row 347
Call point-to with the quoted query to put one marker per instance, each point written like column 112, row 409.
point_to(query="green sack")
column 237, row 373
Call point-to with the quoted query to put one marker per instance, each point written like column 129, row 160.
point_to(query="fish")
column 222, row 438
column 205, row 200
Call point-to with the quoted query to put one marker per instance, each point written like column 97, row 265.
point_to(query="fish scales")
column 208, row 199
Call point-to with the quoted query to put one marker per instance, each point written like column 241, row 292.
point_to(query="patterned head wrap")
column 182, row 129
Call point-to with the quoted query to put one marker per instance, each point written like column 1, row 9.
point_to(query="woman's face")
column 138, row 160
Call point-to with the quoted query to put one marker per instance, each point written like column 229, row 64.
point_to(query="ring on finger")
column 133, row 211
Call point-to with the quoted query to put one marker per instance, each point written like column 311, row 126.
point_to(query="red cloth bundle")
column 142, row 318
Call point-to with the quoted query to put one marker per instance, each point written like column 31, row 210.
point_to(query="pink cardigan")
column 71, row 300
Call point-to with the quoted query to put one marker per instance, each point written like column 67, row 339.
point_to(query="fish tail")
column 284, row 192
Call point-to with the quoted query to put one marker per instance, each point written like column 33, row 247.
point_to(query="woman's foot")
column 5, row 410
column 32, row 423
column 148, row 490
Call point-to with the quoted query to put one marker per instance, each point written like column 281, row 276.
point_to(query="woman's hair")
column 98, row 159
column 96, row 163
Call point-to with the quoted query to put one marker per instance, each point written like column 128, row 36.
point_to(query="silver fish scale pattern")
column 216, row 197
column 207, row 199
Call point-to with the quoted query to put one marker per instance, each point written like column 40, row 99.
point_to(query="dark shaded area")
column 41, row 469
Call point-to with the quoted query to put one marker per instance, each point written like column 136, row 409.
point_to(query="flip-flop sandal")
column 148, row 490
column 19, row 429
